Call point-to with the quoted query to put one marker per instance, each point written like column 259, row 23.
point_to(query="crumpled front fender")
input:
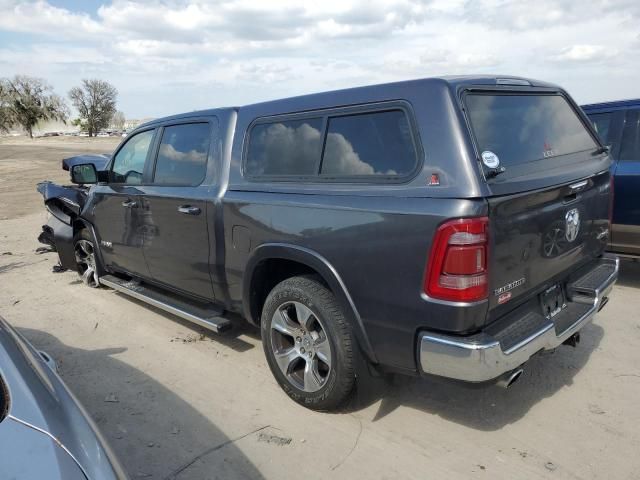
column 60, row 236
column 65, row 204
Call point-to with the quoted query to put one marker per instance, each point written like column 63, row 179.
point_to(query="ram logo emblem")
column 572, row 219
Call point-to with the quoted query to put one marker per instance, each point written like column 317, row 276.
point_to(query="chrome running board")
column 207, row 316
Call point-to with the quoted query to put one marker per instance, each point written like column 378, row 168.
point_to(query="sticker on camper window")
column 490, row 159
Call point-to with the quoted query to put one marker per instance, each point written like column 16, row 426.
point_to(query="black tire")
column 338, row 384
column 86, row 258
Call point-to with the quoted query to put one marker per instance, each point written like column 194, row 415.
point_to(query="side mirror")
column 84, row 173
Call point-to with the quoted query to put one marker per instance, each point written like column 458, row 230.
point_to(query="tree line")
column 25, row 101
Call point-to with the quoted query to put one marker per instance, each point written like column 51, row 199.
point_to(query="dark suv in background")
column 448, row 226
column 618, row 124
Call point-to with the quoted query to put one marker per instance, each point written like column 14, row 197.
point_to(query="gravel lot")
column 178, row 402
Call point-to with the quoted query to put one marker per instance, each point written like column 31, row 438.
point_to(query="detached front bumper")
column 511, row 341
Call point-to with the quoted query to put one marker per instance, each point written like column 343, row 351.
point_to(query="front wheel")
column 86, row 259
column 308, row 343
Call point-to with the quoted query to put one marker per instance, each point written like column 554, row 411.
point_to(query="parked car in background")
column 618, row 124
column 44, row 432
column 445, row 226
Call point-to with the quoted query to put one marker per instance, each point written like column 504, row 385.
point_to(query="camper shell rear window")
column 514, row 129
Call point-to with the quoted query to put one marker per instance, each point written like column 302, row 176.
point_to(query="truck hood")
column 39, row 400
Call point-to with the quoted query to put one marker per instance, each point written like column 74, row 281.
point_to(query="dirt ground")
column 25, row 162
column 177, row 402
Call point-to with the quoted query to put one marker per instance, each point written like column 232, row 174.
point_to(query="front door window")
column 128, row 164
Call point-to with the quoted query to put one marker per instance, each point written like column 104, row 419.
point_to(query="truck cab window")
column 630, row 146
column 128, row 164
column 602, row 124
column 182, row 158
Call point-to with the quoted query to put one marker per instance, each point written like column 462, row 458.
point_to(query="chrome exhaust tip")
column 510, row 378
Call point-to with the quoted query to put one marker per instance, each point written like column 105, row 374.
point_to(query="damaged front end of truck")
column 64, row 203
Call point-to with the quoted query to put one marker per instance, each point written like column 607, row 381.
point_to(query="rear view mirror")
column 84, row 173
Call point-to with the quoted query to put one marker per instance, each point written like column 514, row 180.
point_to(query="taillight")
column 457, row 266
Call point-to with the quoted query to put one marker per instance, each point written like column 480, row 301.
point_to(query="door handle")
column 130, row 204
column 576, row 187
column 189, row 210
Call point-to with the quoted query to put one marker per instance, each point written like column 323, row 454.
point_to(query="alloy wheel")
column 86, row 261
column 300, row 346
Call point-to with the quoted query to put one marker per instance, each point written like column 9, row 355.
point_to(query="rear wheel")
column 308, row 343
column 86, row 260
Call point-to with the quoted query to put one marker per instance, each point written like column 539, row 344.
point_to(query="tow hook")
column 573, row 340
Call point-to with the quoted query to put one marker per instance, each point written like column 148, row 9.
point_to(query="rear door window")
column 377, row 143
column 182, row 156
column 630, row 144
column 520, row 129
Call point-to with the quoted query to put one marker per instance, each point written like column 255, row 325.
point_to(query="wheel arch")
column 302, row 260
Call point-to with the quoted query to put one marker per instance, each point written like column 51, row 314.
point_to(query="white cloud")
column 242, row 51
column 585, row 53
column 41, row 18
column 538, row 15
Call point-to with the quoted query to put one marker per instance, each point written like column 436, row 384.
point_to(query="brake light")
column 457, row 265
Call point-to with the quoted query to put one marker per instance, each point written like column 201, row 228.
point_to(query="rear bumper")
column 487, row 355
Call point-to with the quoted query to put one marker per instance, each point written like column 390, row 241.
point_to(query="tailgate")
column 550, row 189
column 539, row 237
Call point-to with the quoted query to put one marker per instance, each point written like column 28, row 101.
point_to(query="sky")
column 174, row 56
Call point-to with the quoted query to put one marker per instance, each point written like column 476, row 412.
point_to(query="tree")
column 5, row 122
column 117, row 120
column 27, row 100
column 95, row 101
column 5, row 115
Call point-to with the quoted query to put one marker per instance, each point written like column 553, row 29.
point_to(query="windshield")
column 518, row 129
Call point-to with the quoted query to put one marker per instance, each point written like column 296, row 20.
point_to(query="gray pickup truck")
column 445, row 226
